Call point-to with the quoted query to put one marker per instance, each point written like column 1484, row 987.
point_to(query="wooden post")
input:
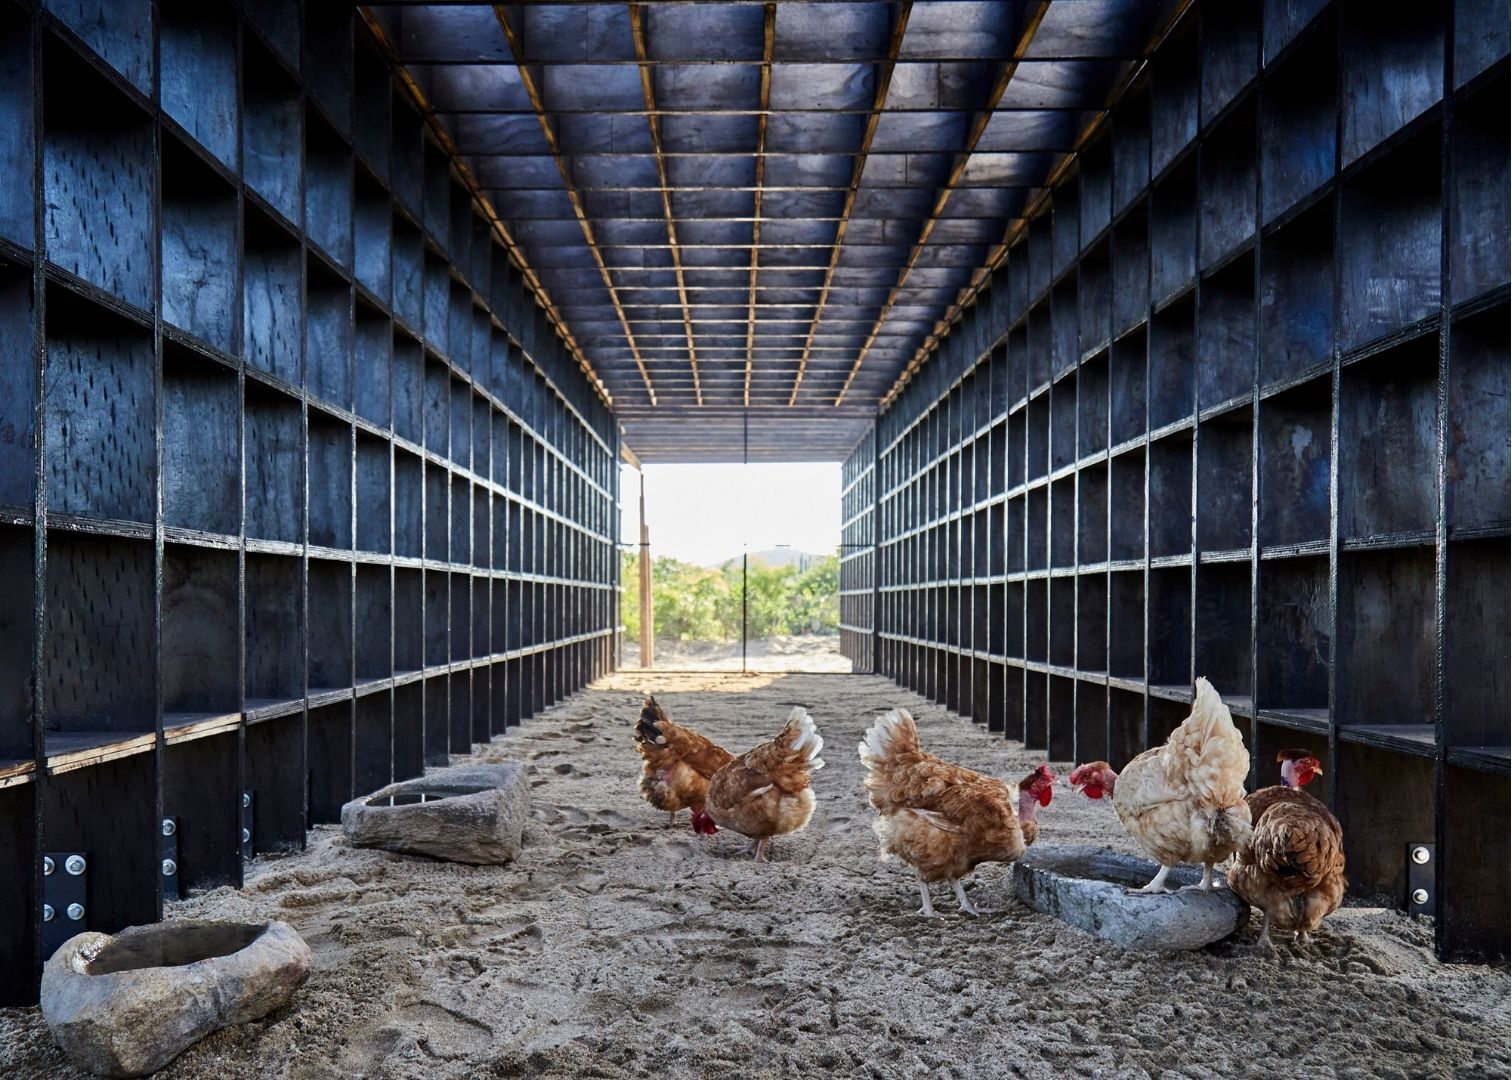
column 647, row 637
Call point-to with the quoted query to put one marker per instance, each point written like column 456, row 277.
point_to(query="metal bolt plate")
column 168, row 852
column 63, row 894
column 1421, row 899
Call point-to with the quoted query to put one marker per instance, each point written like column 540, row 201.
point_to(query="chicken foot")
column 960, row 891
column 1157, row 883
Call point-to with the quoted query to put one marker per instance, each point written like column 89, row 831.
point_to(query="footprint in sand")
column 566, row 768
column 612, row 817
column 536, row 755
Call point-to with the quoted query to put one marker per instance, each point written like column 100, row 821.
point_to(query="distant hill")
column 773, row 557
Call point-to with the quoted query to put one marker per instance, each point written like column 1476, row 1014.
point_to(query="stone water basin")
column 129, row 1003
column 1087, row 887
column 467, row 814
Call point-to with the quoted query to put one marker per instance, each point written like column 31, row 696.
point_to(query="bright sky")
column 705, row 514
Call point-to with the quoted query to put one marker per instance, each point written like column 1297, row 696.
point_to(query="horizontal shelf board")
column 1387, row 542
column 186, row 727
column 259, row 709
column 65, row 751
column 275, row 547
column 319, row 696
column 1172, row 692
column 175, row 534
column 1312, row 549
column 125, row 530
column 1126, row 682
column 16, row 771
column 372, row 686
column 1409, row 738
column 1316, row 721
column 1235, row 555
column 1487, row 758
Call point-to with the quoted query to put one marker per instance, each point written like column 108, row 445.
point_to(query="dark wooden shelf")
column 67, row 750
column 1212, row 379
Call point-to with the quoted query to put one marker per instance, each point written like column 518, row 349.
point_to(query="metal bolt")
column 75, row 865
column 1420, row 855
column 75, row 912
column 1419, row 897
column 246, row 798
column 246, row 836
column 47, row 913
column 47, row 864
column 169, row 867
column 169, row 826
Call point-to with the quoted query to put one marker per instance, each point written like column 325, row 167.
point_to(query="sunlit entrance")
column 738, row 568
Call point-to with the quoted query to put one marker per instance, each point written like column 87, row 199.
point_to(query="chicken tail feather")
column 805, row 737
column 648, row 729
column 893, row 733
column 1206, row 753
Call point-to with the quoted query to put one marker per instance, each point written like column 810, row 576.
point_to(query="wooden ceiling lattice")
column 752, row 215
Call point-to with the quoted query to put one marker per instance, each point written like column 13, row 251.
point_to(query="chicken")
column 678, row 762
column 941, row 819
column 1292, row 868
column 766, row 791
column 1184, row 801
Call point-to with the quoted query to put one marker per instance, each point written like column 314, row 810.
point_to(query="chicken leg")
column 1264, row 943
column 671, row 818
column 1207, row 884
column 1157, row 883
column 927, row 910
column 960, row 891
column 761, row 846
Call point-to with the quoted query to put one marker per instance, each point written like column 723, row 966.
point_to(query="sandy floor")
column 618, row 946
column 809, row 653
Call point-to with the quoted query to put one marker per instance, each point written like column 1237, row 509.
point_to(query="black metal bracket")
column 65, row 890
column 1422, row 899
column 170, row 864
column 247, row 800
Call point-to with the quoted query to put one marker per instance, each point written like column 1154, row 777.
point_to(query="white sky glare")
column 705, row 514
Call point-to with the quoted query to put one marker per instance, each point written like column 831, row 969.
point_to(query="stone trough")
column 1087, row 887
column 126, row 1005
column 468, row 814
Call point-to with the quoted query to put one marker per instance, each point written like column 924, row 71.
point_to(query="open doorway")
column 743, row 567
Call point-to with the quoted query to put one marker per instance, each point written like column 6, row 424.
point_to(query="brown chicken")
column 766, row 792
column 678, row 763
column 1292, row 869
column 1184, row 801
column 941, row 819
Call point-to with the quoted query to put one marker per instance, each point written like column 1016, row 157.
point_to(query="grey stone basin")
column 1087, row 887
column 127, row 1004
column 468, row 814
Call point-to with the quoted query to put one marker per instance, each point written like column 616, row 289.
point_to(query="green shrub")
column 699, row 603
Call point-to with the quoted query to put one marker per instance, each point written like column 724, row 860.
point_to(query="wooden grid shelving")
column 1236, row 405
column 299, row 491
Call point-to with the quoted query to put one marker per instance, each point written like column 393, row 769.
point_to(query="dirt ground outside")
column 617, row 946
column 785, row 653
